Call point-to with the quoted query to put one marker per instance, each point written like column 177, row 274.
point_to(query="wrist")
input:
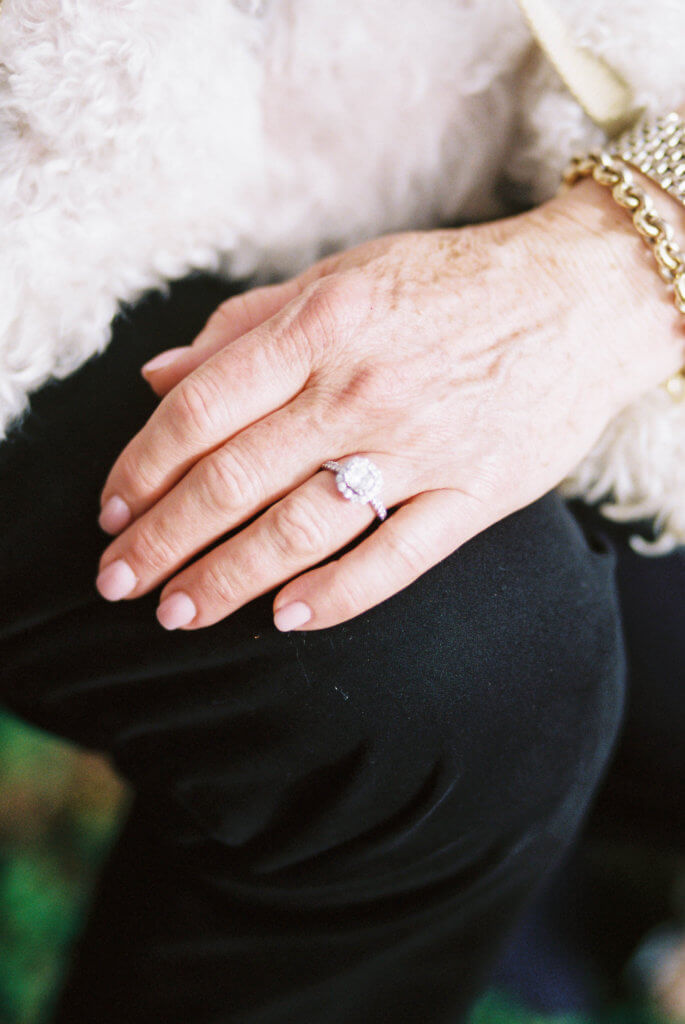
column 615, row 276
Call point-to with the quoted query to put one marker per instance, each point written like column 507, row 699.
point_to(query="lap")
column 486, row 636
column 457, row 728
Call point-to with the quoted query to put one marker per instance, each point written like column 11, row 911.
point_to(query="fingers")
column 236, row 387
column 416, row 537
column 220, row 492
column 233, row 318
column 242, row 382
column 306, row 526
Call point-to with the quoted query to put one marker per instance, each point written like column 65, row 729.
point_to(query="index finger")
column 245, row 381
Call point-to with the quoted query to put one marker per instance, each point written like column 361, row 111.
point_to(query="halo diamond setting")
column 359, row 479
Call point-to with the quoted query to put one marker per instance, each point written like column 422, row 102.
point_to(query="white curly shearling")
column 143, row 139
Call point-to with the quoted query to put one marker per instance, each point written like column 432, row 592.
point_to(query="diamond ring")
column 359, row 479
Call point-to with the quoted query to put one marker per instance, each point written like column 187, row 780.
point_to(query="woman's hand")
column 476, row 367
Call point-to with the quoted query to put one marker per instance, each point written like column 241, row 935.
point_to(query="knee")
column 522, row 681
column 490, row 691
column 485, row 696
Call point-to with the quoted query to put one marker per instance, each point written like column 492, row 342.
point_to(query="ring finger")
column 305, row 527
column 223, row 490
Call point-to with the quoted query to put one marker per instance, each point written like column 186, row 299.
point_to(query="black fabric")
column 644, row 795
column 332, row 827
column 569, row 952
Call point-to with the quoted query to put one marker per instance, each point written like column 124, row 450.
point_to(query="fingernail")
column 116, row 581
column 115, row 515
column 176, row 610
column 164, row 359
column 291, row 616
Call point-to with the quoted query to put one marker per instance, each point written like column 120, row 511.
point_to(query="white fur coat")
column 140, row 139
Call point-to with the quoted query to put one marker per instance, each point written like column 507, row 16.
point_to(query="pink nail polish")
column 164, row 359
column 115, row 515
column 116, row 581
column 176, row 610
column 292, row 616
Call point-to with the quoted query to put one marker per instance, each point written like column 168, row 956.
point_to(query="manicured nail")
column 292, row 616
column 115, row 515
column 116, row 581
column 176, row 610
column 164, row 359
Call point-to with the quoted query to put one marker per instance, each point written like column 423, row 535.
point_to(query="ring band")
column 359, row 479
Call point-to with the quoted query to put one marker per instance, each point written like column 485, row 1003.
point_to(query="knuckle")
column 347, row 295
column 216, row 586
column 196, row 406
column 299, row 532
column 332, row 307
column 135, row 474
column 226, row 485
column 151, row 551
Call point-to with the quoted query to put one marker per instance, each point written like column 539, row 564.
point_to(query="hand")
column 474, row 366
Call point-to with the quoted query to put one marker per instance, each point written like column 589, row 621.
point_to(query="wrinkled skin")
column 474, row 366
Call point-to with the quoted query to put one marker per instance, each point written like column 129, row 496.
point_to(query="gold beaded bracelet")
column 611, row 172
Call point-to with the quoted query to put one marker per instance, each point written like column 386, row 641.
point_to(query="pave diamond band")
column 359, row 479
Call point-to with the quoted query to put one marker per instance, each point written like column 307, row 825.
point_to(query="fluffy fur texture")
column 141, row 139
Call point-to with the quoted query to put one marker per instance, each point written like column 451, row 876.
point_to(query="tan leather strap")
column 602, row 92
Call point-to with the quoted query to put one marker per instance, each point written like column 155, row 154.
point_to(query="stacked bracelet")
column 656, row 147
column 610, row 170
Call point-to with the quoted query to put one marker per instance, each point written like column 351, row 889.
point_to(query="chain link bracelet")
column 609, row 171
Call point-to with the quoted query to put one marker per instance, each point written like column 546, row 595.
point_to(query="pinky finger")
column 421, row 533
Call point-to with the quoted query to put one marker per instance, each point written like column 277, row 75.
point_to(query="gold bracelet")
column 609, row 171
column 655, row 146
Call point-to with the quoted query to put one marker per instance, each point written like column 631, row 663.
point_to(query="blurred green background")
column 58, row 816
column 59, row 813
